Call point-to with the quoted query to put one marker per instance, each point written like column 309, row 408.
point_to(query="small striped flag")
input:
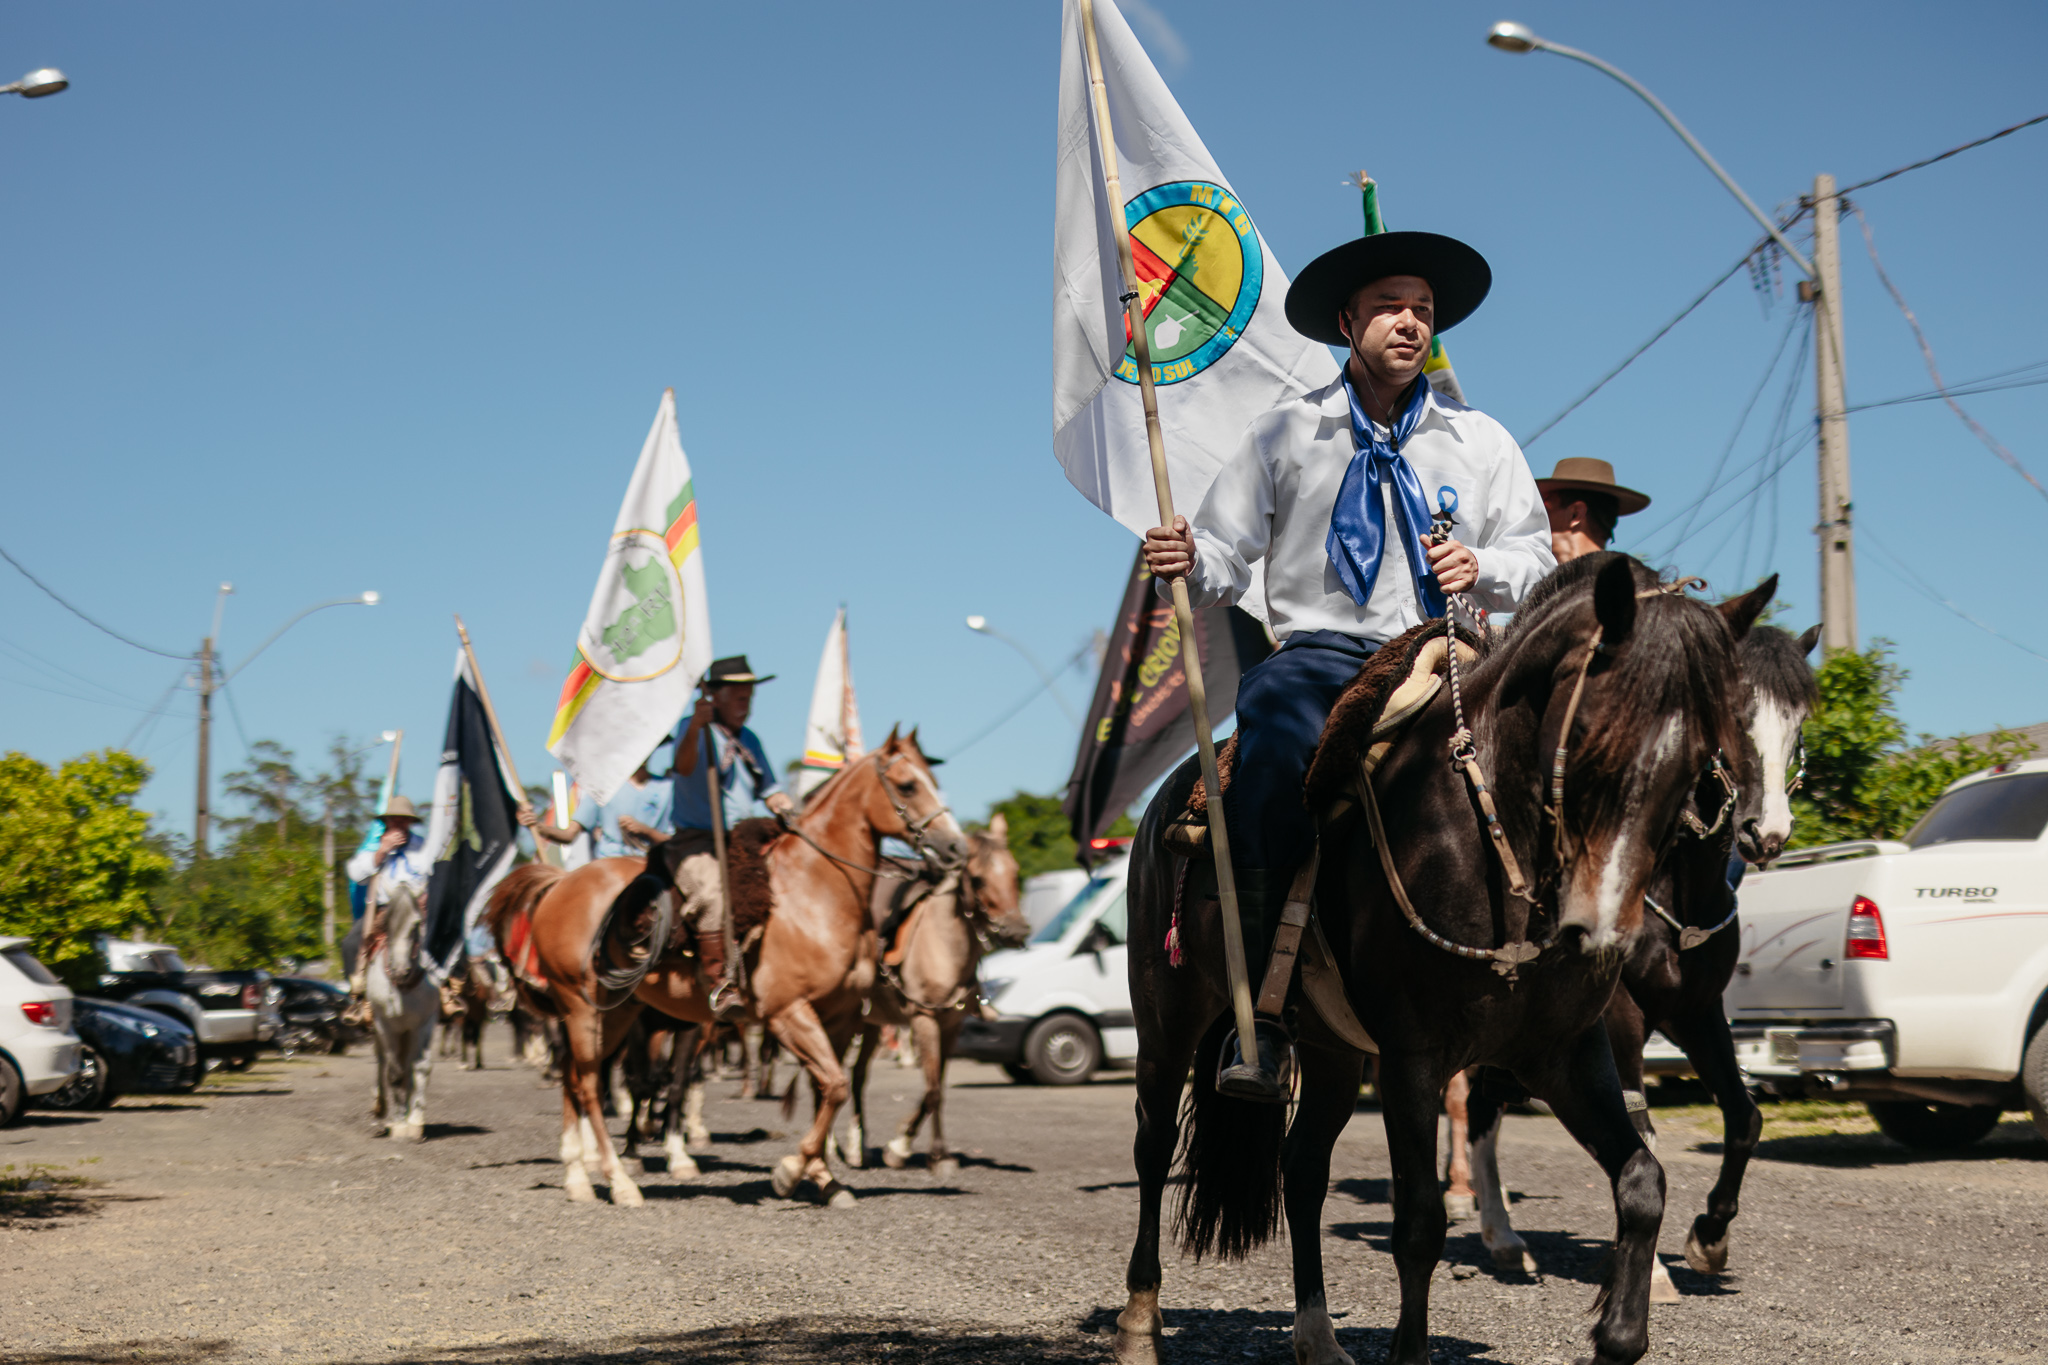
column 646, row 639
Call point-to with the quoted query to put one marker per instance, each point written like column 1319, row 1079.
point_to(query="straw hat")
column 399, row 809
column 1581, row 474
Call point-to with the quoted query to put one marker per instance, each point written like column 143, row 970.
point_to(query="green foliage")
column 75, row 857
column 1040, row 835
column 256, row 901
column 1864, row 780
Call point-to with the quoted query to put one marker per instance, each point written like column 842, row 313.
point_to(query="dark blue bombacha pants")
column 1281, row 706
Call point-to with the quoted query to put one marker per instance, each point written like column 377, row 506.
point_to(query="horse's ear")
column 999, row 826
column 1741, row 612
column 1809, row 638
column 912, row 740
column 890, row 742
column 1614, row 599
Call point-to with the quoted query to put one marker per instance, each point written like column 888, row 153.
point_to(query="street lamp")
column 43, row 81
column 209, row 684
column 1512, row 37
column 980, row 625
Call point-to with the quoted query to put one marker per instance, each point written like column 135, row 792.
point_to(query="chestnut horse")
column 808, row 969
column 929, row 982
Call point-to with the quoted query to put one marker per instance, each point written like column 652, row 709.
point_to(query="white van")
column 38, row 1050
column 1063, row 1000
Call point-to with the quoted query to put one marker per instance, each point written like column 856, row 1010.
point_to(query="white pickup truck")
column 1912, row 974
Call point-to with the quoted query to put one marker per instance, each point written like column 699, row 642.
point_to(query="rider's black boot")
column 1264, row 1077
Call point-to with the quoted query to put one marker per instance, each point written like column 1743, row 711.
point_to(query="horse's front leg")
column 1459, row 1199
column 1704, row 1035
column 1496, row 1229
column 1585, row 1092
column 1329, row 1086
column 419, row 1068
column 592, row 1035
column 1167, row 1039
column 1411, row 1090
column 682, row 1061
column 799, row 1029
column 856, row 1153
column 380, row 1107
column 944, row 1033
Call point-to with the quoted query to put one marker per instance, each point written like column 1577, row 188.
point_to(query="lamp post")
column 980, row 625
column 46, row 80
column 209, row 684
column 1822, row 287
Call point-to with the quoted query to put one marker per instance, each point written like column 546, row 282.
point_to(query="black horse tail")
column 1228, row 1163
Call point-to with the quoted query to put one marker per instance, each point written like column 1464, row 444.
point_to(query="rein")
column 913, row 830
column 1690, row 935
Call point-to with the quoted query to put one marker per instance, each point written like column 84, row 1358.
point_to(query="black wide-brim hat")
column 733, row 670
column 1458, row 276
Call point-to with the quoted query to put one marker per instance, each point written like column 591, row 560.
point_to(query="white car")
column 38, row 1050
column 1910, row 974
column 1063, row 1000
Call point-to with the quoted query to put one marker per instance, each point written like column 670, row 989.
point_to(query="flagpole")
column 1198, row 694
column 391, row 778
column 716, row 792
column 483, row 695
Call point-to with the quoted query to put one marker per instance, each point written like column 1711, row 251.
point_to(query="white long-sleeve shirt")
column 407, row 865
column 1273, row 501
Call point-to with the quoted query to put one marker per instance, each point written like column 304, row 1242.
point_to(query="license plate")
column 1784, row 1047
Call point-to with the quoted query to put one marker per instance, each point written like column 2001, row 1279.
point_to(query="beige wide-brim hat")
column 1592, row 476
column 399, row 809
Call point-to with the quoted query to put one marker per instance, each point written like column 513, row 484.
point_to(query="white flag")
column 646, row 639
column 832, row 734
column 1214, row 297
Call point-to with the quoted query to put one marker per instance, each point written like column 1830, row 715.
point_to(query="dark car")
column 233, row 1013
column 127, row 1051
column 312, row 1011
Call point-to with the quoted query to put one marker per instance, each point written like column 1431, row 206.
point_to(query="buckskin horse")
column 1455, row 940
column 1681, row 962
column 800, row 912
column 930, row 957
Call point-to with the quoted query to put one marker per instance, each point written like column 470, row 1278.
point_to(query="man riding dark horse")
column 1336, row 490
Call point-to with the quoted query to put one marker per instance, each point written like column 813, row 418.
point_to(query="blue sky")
column 315, row 299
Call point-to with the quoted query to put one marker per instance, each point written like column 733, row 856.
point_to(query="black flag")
column 1139, row 725
column 472, row 836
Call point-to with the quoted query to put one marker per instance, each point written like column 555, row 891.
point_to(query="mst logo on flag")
column 1199, row 271
column 636, row 629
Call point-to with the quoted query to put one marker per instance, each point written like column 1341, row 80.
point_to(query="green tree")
column 76, row 860
column 1041, row 837
column 1864, row 780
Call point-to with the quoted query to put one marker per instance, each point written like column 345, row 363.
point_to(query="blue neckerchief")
column 1358, row 522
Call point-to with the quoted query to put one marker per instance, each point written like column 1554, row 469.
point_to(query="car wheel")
column 1929, row 1126
column 1062, row 1049
column 2034, row 1078
column 13, row 1095
column 1019, row 1073
column 89, row 1089
column 239, row 1061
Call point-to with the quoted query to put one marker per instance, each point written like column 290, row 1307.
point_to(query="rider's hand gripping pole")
column 1198, row 695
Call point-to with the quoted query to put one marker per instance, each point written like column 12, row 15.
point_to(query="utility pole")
column 1837, row 541
column 200, row 810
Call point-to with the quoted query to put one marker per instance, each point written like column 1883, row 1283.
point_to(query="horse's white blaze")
column 1775, row 731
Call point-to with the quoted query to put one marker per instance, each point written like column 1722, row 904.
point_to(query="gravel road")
column 256, row 1220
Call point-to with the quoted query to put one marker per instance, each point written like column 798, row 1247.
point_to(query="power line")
column 1905, row 574
column 58, row 598
column 1029, row 697
column 1943, row 156
column 1791, row 321
column 153, row 713
column 1963, row 390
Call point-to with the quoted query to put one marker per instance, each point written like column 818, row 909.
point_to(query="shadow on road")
column 2013, row 1139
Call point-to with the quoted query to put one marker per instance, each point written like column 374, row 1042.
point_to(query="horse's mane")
column 1775, row 666
column 1680, row 660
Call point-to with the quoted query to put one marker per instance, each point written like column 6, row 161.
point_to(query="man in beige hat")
column 1584, row 502
column 397, row 867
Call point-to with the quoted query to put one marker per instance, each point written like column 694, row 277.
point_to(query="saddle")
column 894, row 898
column 1391, row 688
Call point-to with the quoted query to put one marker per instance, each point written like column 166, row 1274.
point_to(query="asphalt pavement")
column 258, row 1221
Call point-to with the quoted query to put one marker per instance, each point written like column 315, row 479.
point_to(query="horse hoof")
column 577, row 1184
column 785, row 1176
column 1708, row 1258
column 1661, row 1288
column 378, row 1130
column 625, row 1194
column 855, row 1155
column 699, row 1141
column 947, row 1170
column 1137, row 1348
column 896, row 1155
column 1514, row 1260
column 837, row 1196
column 684, row 1169
column 415, row 1132
column 1459, row 1207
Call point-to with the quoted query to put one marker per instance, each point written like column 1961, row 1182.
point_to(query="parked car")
column 127, row 1051
column 312, row 1009
column 38, row 1050
column 1063, row 1000
column 1909, row 974
column 233, row 1013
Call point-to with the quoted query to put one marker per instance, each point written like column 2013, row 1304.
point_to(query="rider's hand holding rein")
column 1170, row 554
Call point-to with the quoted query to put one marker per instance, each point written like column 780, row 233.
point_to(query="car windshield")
column 2013, row 807
column 1081, row 905
column 23, row 961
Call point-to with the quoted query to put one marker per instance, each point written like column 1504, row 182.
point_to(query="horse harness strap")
column 1690, row 935
column 1287, row 938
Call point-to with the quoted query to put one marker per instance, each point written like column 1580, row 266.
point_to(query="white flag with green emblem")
column 646, row 639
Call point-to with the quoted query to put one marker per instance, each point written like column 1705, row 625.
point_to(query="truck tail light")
column 252, row 995
column 1866, row 931
column 42, row 1012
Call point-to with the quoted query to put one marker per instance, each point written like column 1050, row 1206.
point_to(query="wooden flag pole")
column 1198, row 695
column 716, row 790
column 397, row 743
column 483, row 695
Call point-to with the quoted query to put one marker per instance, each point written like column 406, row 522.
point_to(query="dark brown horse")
column 1681, row 962
column 809, row 966
column 928, row 983
column 1623, row 689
